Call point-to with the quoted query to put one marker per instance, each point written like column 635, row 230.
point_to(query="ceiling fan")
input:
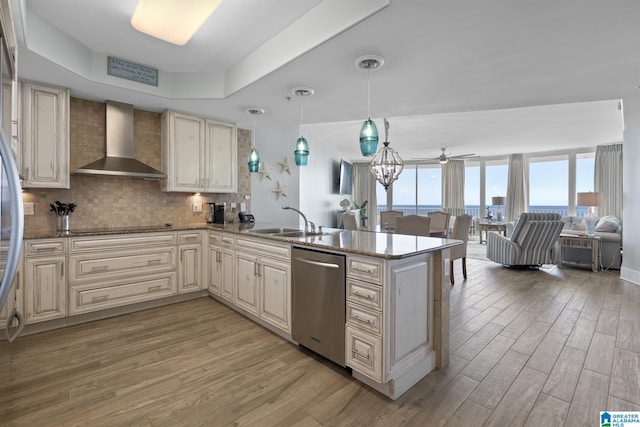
column 444, row 157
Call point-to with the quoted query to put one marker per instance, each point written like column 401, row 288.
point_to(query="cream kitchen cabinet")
column 45, row 283
column 15, row 297
column 117, row 270
column 264, row 280
column 221, row 274
column 45, row 136
column 190, row 263
column 198, row 154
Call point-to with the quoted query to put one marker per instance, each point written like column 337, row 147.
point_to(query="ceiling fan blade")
column 459, row 156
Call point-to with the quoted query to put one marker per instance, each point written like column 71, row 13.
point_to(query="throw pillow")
column 607, row 226
column 578, row 227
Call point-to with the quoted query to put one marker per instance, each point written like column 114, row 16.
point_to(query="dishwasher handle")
column 318, row 263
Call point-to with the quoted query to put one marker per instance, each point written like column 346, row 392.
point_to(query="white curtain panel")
column 608, row 179
column 364, row 188
column 453, row 185
column 517, row 187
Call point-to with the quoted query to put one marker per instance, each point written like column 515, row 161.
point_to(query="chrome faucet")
column 309, row 227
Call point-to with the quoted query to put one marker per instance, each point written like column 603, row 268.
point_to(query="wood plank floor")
column 536, row 348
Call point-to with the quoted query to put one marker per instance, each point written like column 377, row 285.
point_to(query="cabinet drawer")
column 364, row 293
column 106, row 266
column 125, row 241
column 364, row 318
column 215, row 239
column 186, row 237
column 368, row 269
column 227, row 240
column 45, row 247
column 85, row 298
column 364, row 353
column 263, row 247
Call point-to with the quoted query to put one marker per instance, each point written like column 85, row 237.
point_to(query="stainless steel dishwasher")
column 318, row 312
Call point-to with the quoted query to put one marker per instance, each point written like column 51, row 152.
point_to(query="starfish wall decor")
column 284, row 166
column 264, row 172
column 279, row 190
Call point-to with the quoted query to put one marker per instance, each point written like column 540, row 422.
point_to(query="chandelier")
column 387, row 164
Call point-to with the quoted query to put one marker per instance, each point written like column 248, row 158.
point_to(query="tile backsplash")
column 124, row 202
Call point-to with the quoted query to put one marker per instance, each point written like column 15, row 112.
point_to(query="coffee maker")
column 216, row 213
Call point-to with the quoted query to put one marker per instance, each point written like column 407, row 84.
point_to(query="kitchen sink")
column 280, row 230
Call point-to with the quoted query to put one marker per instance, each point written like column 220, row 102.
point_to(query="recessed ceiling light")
column 170, row 20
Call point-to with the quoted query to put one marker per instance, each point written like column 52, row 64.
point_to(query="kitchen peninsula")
column 397, row 296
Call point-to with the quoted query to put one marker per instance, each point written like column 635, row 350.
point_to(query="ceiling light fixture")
column 171, row 20
column 301, row 152
column 387, row 164
column 253, row 160
column 369, row 131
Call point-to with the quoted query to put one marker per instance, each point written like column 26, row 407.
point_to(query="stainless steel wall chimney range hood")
column 119, row 159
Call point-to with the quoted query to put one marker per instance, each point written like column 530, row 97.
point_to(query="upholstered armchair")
column 532, row 242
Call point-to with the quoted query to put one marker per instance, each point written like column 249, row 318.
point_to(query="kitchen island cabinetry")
column 221, row 275
column 190, row 264
column 112, row 271
column 264, row 280
column 198, row 154
column 45, row 290
column 45, row 136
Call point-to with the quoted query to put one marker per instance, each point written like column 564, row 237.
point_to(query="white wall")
column 311, row 188
column 319, row 198
column 630, row 200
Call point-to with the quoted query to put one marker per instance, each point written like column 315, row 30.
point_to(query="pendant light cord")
column 369, row 94
column 301, row 113
column 253, row 135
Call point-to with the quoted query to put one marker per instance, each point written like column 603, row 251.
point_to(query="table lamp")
column 589, row 199
column 498, row 201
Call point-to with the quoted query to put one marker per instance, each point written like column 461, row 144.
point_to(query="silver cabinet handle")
column 367, row 296
column 355, row 316
column 156, row 261
column 361, row 355
column 154, row 288
column 100, row 298
column 317, row 263
column 62, row 269
column 100, row 268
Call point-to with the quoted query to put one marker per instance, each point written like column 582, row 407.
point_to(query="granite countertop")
column 381, row 245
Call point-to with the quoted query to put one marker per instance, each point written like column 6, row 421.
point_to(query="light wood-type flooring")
column 539, row 348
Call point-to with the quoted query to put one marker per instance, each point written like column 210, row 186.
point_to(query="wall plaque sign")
column 131, row 71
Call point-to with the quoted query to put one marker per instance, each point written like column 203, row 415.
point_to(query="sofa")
column 608, row 228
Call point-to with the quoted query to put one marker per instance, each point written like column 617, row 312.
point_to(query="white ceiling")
column 490, row 77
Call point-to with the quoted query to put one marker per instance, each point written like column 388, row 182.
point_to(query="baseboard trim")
column 630, row 275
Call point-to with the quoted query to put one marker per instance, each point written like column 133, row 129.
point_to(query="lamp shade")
column 253, row 160
column 589, row 199
column 497, row 200
column 301, row 152
column 368, row 138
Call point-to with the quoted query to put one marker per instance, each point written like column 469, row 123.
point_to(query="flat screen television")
column 345, row 184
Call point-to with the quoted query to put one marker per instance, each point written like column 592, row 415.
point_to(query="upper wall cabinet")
column 198, row 154
column 45, row 136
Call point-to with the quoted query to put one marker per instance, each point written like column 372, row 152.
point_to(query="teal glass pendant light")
column 253, row 160
column 301, row 153
column 369, row 130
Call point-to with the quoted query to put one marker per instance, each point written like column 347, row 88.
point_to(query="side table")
column 492, row 226
column 584, row 242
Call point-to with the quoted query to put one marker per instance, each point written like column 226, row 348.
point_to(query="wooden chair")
column 439, row 223
column 388, row 219
column 350, row 220
column 460, row 232
column 416, row 225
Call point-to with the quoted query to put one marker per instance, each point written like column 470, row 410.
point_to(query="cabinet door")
column 220, row 154
column 214, row 269
column 275, row 293
column 45, row 289
column 227, row 276
column 247, row 270
column 45, row 136
column 183, row 153
column 14, row 298
column 190, row 272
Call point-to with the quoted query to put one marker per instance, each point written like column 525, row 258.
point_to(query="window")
column 496, row 177
column 548, row 184
column 585, row 174
column 429, row 189
column 404, row 191
column 472, row 189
